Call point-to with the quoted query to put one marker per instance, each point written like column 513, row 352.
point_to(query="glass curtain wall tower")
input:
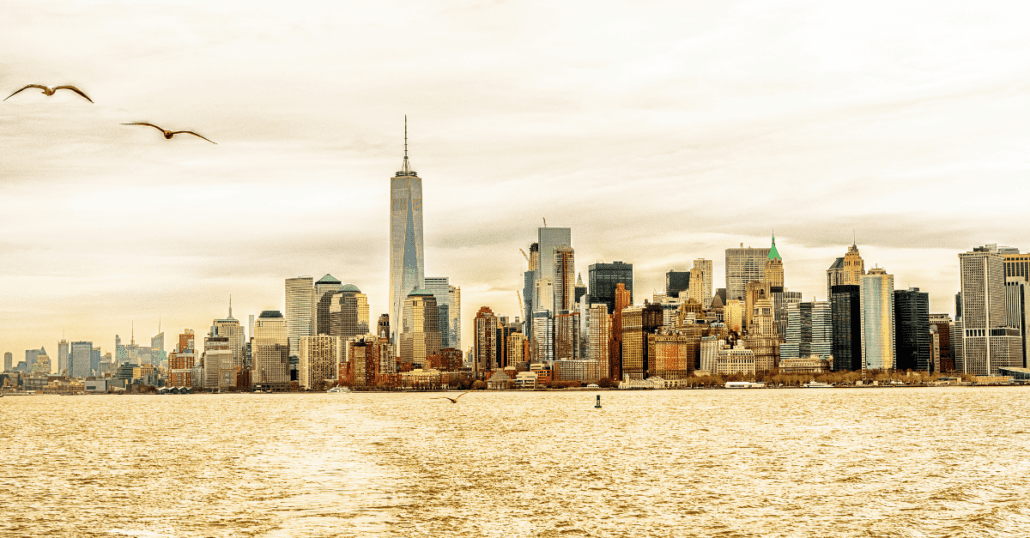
column 407, row 262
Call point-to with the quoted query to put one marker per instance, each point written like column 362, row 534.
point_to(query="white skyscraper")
column 299, row 310
column 407, row 262
column 988, row 342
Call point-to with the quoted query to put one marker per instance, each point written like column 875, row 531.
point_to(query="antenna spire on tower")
column 406, row 167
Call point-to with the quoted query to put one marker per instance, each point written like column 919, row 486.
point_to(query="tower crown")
column 773, row 253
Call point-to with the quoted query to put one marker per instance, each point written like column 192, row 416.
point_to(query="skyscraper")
column 877, row 303
column 349, row 313
column 320, row 358
column 9, row 360
column 62, row 356
column 809, row 331
column 324, row 290
column 564, row 279
column 744, row 265
column 299, row 310
column 846, row 271
column 81, row 354
column 230, row 328
column 845, row 303
column 912, row 330
column 549, row 240
column 676, row 281
column 485, row 346
column 270, row 352
column 441, row 289
column 988, row 343
column 420, row 333
column 604, row 277
column 407, row 262
column 701, row 283
column 180, row 361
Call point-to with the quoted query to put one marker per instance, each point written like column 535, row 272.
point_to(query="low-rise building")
column 805, row 365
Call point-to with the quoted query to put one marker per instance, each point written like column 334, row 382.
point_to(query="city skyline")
column 677, row 137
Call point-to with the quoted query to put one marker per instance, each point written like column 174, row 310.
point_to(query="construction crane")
column 522, row 307
column 545, row 221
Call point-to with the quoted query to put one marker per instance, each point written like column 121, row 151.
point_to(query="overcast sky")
column 659, row 132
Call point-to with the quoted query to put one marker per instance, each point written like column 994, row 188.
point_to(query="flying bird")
column 168, row 134
column 453, row 400
column 49, row 90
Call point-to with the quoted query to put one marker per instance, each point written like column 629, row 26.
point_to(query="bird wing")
column 192, row 133
column 74, row 89
column 25, row 88
column 147, row 124
column 462, row 394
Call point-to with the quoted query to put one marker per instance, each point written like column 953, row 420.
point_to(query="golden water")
column 840, row 462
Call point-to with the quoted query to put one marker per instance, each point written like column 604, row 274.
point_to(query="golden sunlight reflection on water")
column 841, row 462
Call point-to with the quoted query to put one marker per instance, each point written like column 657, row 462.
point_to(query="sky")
column 658, row 132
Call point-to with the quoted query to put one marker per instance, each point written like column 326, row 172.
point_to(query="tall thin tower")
column 407, row 262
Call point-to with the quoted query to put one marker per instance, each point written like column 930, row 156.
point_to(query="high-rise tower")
column 407, row 262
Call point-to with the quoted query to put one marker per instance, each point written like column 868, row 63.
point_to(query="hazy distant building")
column 676, row 281
column 604, row 277
column 407, row 252
column 877, row 304
column 845, row 304
column 230, row 328
column 701, row 283
column 81, row 355
column 9, row 360
column 744, row 265
column 181, row 361
column 217, row 360
column 581, row 288
column 988, row 342
column 420, row 332
column 63, row 351
column 913, row 345
column 270, row 351
column 348, row 313
column 299, row 310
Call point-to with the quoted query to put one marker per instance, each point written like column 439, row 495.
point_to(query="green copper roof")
column 350, row 287
column 773, row 253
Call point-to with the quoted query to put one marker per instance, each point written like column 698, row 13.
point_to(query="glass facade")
column 912, row 329
column 744, row 265
column 877, row 302
column 407, row 267
column 603, row 279
column 846, row 320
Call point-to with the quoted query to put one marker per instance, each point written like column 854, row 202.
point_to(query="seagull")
column 168, row 134
column 453, row 400
column 49, row 90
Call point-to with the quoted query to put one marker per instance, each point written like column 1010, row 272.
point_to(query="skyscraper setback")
column 407, row 262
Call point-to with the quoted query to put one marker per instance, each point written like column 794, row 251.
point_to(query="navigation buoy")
column 598, row 404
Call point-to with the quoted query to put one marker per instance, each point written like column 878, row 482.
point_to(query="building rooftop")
column 328, row 279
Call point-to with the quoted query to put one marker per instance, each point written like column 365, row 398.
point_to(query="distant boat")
column 817, row 385
column 744, row 385
column 338, row 390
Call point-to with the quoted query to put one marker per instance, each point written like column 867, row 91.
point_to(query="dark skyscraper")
column 847, row 327
column 912, row 329
column 604, row 277
column 675, row 282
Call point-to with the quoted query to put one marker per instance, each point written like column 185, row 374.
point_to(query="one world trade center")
column 407, row 263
